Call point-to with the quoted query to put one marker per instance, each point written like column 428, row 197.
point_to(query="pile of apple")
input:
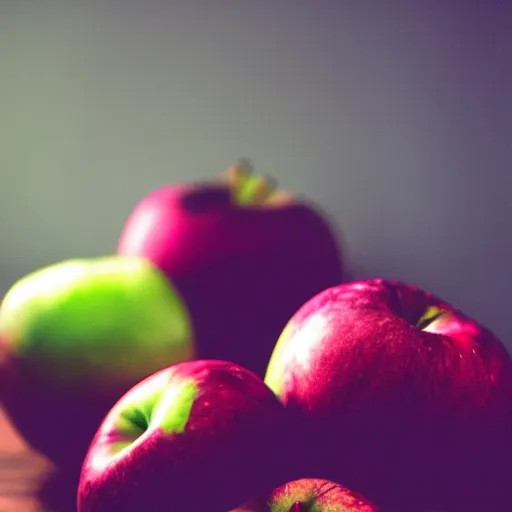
column 152, row 380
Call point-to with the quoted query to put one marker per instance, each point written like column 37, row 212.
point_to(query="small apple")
column 76, row 335
column 199, row 435
column 399, row 395
column 243, row 254
column 310, row 495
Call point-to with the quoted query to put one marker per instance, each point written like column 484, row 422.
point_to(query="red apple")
column 242, row 254
column 401, row 396
column 310, row 495
column 200, row 435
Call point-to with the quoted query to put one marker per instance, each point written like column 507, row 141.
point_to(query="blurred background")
column 396, row 117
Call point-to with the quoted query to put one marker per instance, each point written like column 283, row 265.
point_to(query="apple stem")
column 247, row 187
column 238, row 173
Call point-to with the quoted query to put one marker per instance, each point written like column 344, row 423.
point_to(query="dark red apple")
column 310, row 495
column 242, row 254
column 400, row 396
column 200, row 435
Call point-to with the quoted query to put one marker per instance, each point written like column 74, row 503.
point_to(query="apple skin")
column 310, row 495
column 196, row 436
column 241, row 264
column 399, row 395
column 74, row 337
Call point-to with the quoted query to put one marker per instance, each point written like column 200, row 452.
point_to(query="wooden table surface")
column 20, row 471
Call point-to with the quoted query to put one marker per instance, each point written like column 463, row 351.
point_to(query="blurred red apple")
column 401, row 395
column 200, row 435
column 310, row 495
column 242, row 254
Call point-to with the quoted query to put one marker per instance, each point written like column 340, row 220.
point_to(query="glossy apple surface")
column 76, row 335
column 401, row 395
column 243, row 254
column 199, row 435
column 310, row 495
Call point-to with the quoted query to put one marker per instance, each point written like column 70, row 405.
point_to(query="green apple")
column 75, row 336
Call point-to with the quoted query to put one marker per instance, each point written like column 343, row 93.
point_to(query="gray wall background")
column 396, row 118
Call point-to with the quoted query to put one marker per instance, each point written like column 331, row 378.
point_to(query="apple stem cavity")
column 249, row 188
column 431, row 315
column 139, row 421
column 307, row 505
